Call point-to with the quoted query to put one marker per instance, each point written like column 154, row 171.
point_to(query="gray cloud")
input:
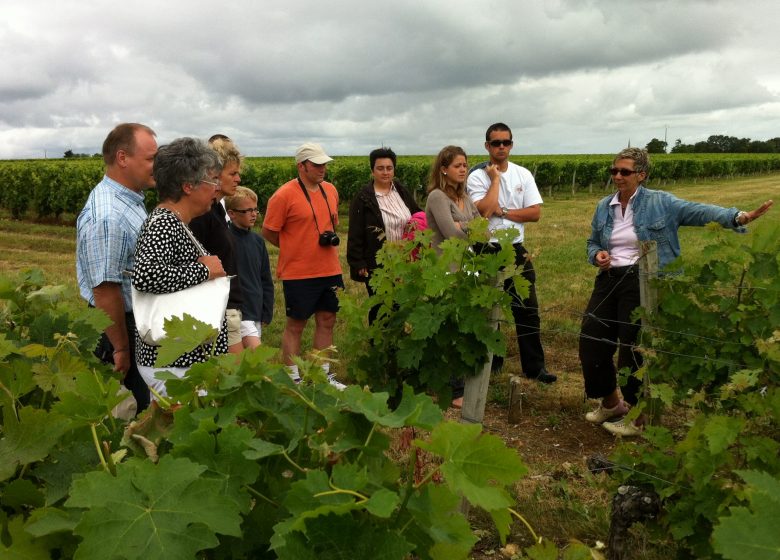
column 568, row 76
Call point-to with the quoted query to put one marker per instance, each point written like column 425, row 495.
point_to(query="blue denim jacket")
column 657, row 217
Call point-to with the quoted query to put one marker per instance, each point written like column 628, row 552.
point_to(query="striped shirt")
column 395, row 214
column 106, row 232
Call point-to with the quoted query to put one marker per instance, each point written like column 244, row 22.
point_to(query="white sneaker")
column 602, row 414
column 296, row 378
column 335, row 382
column 623, row 428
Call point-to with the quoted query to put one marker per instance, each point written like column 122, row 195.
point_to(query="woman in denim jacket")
column 635, row 213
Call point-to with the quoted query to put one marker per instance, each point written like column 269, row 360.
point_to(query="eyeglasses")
column 245, row 210
column 497, row 143
column 623, row 172
column 216, row 184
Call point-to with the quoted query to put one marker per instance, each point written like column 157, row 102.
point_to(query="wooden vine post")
column 648, row 294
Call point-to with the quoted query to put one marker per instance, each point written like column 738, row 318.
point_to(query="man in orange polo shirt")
column 301, row 220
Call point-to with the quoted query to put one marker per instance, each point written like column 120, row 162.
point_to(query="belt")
column 618, row 271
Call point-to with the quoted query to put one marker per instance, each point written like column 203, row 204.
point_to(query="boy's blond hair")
column 231, row 202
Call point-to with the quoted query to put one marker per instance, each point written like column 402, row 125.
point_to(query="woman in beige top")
column 449, row 208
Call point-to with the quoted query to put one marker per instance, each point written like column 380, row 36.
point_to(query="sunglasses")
column 245, row 210
column 497, row 143
column 623, row 172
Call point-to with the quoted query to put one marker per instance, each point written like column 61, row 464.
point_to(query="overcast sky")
column 568, row 76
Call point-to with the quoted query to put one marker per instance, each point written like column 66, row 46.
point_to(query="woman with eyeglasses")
column 168, row 258
column 211, row 229
column 378, row 213
column 633, row 214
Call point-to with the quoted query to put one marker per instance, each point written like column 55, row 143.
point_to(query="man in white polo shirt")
column 507, row 195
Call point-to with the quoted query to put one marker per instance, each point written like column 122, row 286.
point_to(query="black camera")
column 329, row 238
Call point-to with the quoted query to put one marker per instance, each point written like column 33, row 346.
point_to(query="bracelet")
column 115, row 352
column 739, row 218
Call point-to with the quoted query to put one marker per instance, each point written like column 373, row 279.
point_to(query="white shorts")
column 251, row 328
column 233, row 317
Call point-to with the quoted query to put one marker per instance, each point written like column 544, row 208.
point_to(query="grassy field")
column 559, row 498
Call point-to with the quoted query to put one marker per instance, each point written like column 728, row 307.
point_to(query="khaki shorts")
column 233, row 317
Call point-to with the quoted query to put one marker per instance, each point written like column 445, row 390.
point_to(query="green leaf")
column 28, row 439
column 21, row 492
column 222, row 452
column 382, row 503
column 23, row 545
column 414, row 410
column 474, row 464
column 339, row 537
column 59, row 468
column 47, row 521
column 503, row 520
column 436, row 511
column 183, row 334
column 168, row 510
column 91, row 399
column 721, row 432
column 752, row 533
column 546, row 550
column 7, row 347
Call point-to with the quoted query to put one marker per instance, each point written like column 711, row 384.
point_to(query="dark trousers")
column 133, row 380
column 374, row 311
column 526, row 316
column 606, row 328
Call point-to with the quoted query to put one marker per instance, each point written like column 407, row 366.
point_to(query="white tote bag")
column 205, row 302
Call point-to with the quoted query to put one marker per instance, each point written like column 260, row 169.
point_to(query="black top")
column 166, row 260
column 257, row 283
column 366, row 226
column 211, row 229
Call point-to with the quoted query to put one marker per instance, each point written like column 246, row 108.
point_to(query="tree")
column 656, row 146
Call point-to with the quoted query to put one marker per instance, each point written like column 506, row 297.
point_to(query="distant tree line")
column 717, row 144
column 69, row 154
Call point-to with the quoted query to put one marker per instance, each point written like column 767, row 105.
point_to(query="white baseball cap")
column 311, row 152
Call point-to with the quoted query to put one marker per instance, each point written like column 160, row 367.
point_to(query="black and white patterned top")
column 166, row 260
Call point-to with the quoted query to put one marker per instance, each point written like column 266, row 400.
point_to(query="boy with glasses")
column 254, row 267
column 506, row 194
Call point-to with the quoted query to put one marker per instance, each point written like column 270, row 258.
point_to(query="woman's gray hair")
column 185, row 160
column 639, row 156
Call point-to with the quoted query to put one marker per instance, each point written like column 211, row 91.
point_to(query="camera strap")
column 308, row 199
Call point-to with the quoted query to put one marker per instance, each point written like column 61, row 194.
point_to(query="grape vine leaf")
column 414, row 409
column 336, row 537
column 91, row 399
column 28, row 438
column 475, row 463
column 182, row 335
column 752, row 532
column 167, row 510
column 23, row 546
column 722, row 431
column 222, row 453
column 447, row 533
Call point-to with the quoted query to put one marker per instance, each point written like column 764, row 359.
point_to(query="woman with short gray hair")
column 167, row 259
column 633, row 214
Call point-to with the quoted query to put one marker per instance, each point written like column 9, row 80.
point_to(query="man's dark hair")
column 185, row 160
column 499, row 126
column 122, row 138
column 380, row 153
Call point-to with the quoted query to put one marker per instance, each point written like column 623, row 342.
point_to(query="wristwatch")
column 504, row 211
column 738, row 218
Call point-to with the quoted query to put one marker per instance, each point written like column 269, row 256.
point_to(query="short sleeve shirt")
column 290, row 214
column 106, row 234
column 518, row 190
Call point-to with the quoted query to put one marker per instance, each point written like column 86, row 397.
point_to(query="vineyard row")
column 51, row 188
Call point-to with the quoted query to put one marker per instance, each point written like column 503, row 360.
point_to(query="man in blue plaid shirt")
column 106, row 233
